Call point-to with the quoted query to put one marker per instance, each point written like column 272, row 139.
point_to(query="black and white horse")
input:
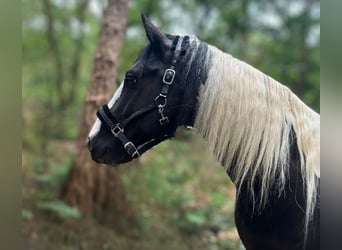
column 264, row 136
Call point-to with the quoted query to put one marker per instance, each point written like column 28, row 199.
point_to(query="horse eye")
column 130, row 81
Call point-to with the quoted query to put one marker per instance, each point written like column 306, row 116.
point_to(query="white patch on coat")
column 97, row 125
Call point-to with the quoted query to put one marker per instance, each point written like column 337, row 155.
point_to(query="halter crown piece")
column 160, row 102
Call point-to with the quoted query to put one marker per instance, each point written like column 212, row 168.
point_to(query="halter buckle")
column 131, row 150
column 169, row 76
column 117, row 129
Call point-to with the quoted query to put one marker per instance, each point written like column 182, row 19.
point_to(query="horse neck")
column 246, row 117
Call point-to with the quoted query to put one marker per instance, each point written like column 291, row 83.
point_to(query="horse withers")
column 264, row 136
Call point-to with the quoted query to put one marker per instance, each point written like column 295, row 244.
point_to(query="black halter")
column 160, row 102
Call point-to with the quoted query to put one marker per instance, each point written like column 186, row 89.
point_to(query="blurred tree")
column 65, row 90
column 287, row 45
column 276, row 37
column 55, row 43
column 51, row 71
column 90, row 187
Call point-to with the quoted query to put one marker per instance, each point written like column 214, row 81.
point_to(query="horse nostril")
column 90, row 144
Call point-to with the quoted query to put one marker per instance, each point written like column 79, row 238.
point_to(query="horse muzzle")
column 112, row 154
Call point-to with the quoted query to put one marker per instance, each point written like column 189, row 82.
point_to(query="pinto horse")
column 264, row 136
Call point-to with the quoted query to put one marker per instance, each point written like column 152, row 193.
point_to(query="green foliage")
column 48, row 172
column 177, row 189
column 54, row 176
column 51, row 107
column 61, row 209
column 26, row 214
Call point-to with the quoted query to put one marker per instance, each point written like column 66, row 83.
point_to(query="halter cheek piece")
column 160, row 102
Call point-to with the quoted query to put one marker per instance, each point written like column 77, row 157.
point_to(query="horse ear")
column 157, row 38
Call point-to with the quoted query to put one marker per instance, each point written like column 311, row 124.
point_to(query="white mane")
column 246, row 117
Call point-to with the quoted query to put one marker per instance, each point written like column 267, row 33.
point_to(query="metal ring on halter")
column 161, row 104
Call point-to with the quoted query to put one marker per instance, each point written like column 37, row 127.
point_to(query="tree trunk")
column 56, row 52
column 93, row 188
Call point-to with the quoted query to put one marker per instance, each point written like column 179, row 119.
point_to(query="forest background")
column 177, row 196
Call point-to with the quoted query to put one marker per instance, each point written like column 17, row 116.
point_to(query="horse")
column 265, row 137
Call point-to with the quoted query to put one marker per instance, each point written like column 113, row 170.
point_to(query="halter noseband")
column 160, row 102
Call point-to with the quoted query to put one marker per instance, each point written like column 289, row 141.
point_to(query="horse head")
column 158, row 94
